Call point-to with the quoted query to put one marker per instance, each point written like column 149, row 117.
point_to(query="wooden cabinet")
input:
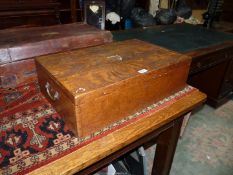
column 212, row 72
column 28, row 12
column 228, row 78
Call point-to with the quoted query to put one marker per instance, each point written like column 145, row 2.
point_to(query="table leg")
column 165, row 150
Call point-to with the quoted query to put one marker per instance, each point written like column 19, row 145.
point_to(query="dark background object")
column 140, row 17
column 123, row 8
column 15, row 13
column 197, row 4
column 95, row 18
column 28, row 13
column 183, row 9
column 227, row 11
column 166, row 16
column 111, row 27
column 213, row 13
column 71, row 11
column 126, row 8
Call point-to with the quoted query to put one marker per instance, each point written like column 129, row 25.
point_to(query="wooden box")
column 19, row 45
column 94, row 87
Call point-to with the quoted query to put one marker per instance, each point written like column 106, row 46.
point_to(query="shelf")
column 68, row 10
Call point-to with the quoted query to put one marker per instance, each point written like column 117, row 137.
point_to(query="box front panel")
column 110, row 104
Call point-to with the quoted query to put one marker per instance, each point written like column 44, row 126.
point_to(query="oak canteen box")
column 97, row 86
column 19, row 46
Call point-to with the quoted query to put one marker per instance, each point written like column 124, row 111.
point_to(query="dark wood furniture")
column 227, row 11
column 211, row 71
column 28, row 13
column 70, row 11
column 212, row 52
column 163, row 126
column 73, row 11
column 223, row 26
column 18, row 47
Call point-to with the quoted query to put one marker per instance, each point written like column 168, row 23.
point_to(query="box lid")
column 86, row 70
column 23, row 43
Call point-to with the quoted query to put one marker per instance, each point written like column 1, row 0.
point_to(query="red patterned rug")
column 33, row 134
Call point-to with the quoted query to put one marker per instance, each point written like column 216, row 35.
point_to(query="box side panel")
column 4, row 56
column 57, row 45
column 107, row 105
column 15, row 73
column 61, row 102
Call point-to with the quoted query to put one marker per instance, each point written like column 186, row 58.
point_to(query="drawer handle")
column 53, row 97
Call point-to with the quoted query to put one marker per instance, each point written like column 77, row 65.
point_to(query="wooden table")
column 211, row 70
column 163, row 125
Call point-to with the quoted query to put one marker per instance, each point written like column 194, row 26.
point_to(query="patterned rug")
column 32, row 134
column 29, row 126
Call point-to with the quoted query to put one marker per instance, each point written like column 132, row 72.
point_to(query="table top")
column 109, row 144
column 178, row 37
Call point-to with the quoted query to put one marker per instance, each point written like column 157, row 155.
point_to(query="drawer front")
column 209, row 60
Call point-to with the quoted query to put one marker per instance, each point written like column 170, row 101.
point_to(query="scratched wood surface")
column 103, row 84
column 99, row 149
column 23, row 43
column 18, row 47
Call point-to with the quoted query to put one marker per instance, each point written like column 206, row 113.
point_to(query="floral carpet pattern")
column 32, row 134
